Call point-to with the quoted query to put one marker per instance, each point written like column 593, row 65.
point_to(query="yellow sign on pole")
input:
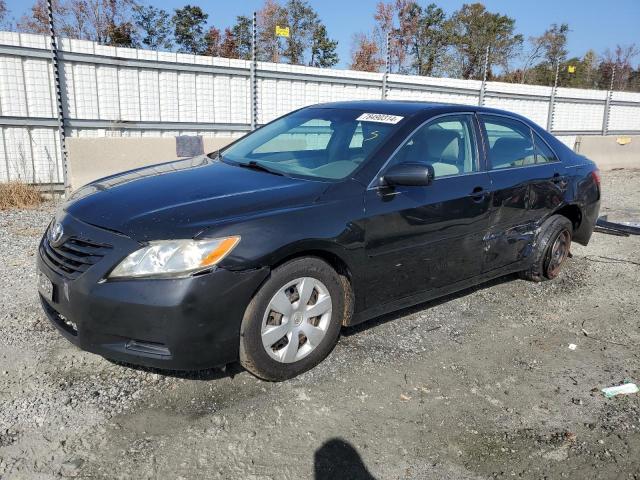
column 282, row 31
column 571, row 69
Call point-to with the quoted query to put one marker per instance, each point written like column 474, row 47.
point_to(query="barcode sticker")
column 379, row 117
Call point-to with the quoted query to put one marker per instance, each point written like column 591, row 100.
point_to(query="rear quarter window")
column 544, row 154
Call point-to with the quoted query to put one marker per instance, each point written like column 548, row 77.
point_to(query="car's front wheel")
column 294, row 320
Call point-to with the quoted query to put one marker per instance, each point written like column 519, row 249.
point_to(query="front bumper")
column 180, row 324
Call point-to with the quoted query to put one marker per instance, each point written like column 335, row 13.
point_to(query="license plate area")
column 45, row 287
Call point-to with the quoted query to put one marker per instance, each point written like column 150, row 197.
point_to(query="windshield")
column 322, row 143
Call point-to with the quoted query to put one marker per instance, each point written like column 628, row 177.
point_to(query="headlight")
column 174, row 257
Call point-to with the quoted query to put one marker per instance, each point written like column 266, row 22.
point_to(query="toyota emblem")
column 55, row 233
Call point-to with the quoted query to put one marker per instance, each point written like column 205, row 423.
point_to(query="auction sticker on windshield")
column 379, row 117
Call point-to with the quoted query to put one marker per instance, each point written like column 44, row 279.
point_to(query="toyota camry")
column 326, row 217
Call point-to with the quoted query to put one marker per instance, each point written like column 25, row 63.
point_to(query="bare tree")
column 229, row 47
column 365, row 55
column 270, row 16
column 213, row 41
column 621, row 59
column 103, row 21
column 550, row 47
column 38, row 20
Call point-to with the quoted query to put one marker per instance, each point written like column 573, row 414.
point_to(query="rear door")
column 548, row 181
column 510, row 152
column 421, row 238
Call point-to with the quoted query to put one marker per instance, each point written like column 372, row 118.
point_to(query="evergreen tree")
column 242, row 33
column 323, row 49
column 302, row 20
column 475, row 29
column 154, row 26
column 433, row 36
column 188, row 23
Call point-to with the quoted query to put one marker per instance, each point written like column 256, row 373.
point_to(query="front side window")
column 510, row 142
column 321, row 143
column 446, row 143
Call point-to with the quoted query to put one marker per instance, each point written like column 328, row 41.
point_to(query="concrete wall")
column 93, row 158
column 622, row 151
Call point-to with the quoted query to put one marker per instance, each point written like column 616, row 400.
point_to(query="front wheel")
column 294, row 320
column 552, row 248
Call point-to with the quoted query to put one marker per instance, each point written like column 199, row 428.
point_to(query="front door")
column 423, row 238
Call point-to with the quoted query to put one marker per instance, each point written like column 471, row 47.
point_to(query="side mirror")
column 409, row 174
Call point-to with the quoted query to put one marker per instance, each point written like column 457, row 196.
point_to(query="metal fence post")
column 253, row 80
column 607, row 104
column 552, row 100
column 484, row 78
column 59, row 100
column 387, row 67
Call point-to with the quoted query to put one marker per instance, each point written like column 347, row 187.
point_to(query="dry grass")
column 18, row 195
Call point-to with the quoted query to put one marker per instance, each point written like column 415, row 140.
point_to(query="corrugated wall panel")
column 204, row 92
column 573, row 116
column 624, row 117
column 149, row 85
column 12, row 88
column 534, row 110
column 187, row 97
column 108, row 92
column 40, row 101
column 222, row 98
column 86, row 91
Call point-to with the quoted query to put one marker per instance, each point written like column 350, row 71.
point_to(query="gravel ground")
column 478, row 385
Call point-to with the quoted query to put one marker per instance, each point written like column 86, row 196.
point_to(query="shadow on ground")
column 337, row 459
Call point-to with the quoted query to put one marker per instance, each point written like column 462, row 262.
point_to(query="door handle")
column 478, row 194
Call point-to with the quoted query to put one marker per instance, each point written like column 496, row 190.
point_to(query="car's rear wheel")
column 553, row 247
column 294, row 320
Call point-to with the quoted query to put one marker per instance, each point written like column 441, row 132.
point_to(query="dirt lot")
column 479, row 385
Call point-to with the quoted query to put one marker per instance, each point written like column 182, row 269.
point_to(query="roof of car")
column 401, row 107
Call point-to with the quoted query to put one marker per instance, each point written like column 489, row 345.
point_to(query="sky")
column 594, row 24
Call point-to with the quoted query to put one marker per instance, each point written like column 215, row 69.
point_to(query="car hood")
column 183, row 198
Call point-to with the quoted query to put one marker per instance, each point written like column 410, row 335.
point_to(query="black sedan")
column 324, row 218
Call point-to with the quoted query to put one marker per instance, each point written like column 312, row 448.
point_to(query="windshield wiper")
column 253, row 165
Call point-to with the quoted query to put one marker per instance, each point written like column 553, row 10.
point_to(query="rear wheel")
column 553, row 247
column 294, row 320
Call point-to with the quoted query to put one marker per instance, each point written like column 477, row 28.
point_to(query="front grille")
column 73, row 257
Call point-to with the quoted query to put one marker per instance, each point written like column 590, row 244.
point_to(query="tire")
column 551, row 249
column 264, row 320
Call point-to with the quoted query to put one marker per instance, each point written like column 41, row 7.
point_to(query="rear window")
column 510, row 142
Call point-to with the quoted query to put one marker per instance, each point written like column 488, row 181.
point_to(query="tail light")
column 596, row 176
